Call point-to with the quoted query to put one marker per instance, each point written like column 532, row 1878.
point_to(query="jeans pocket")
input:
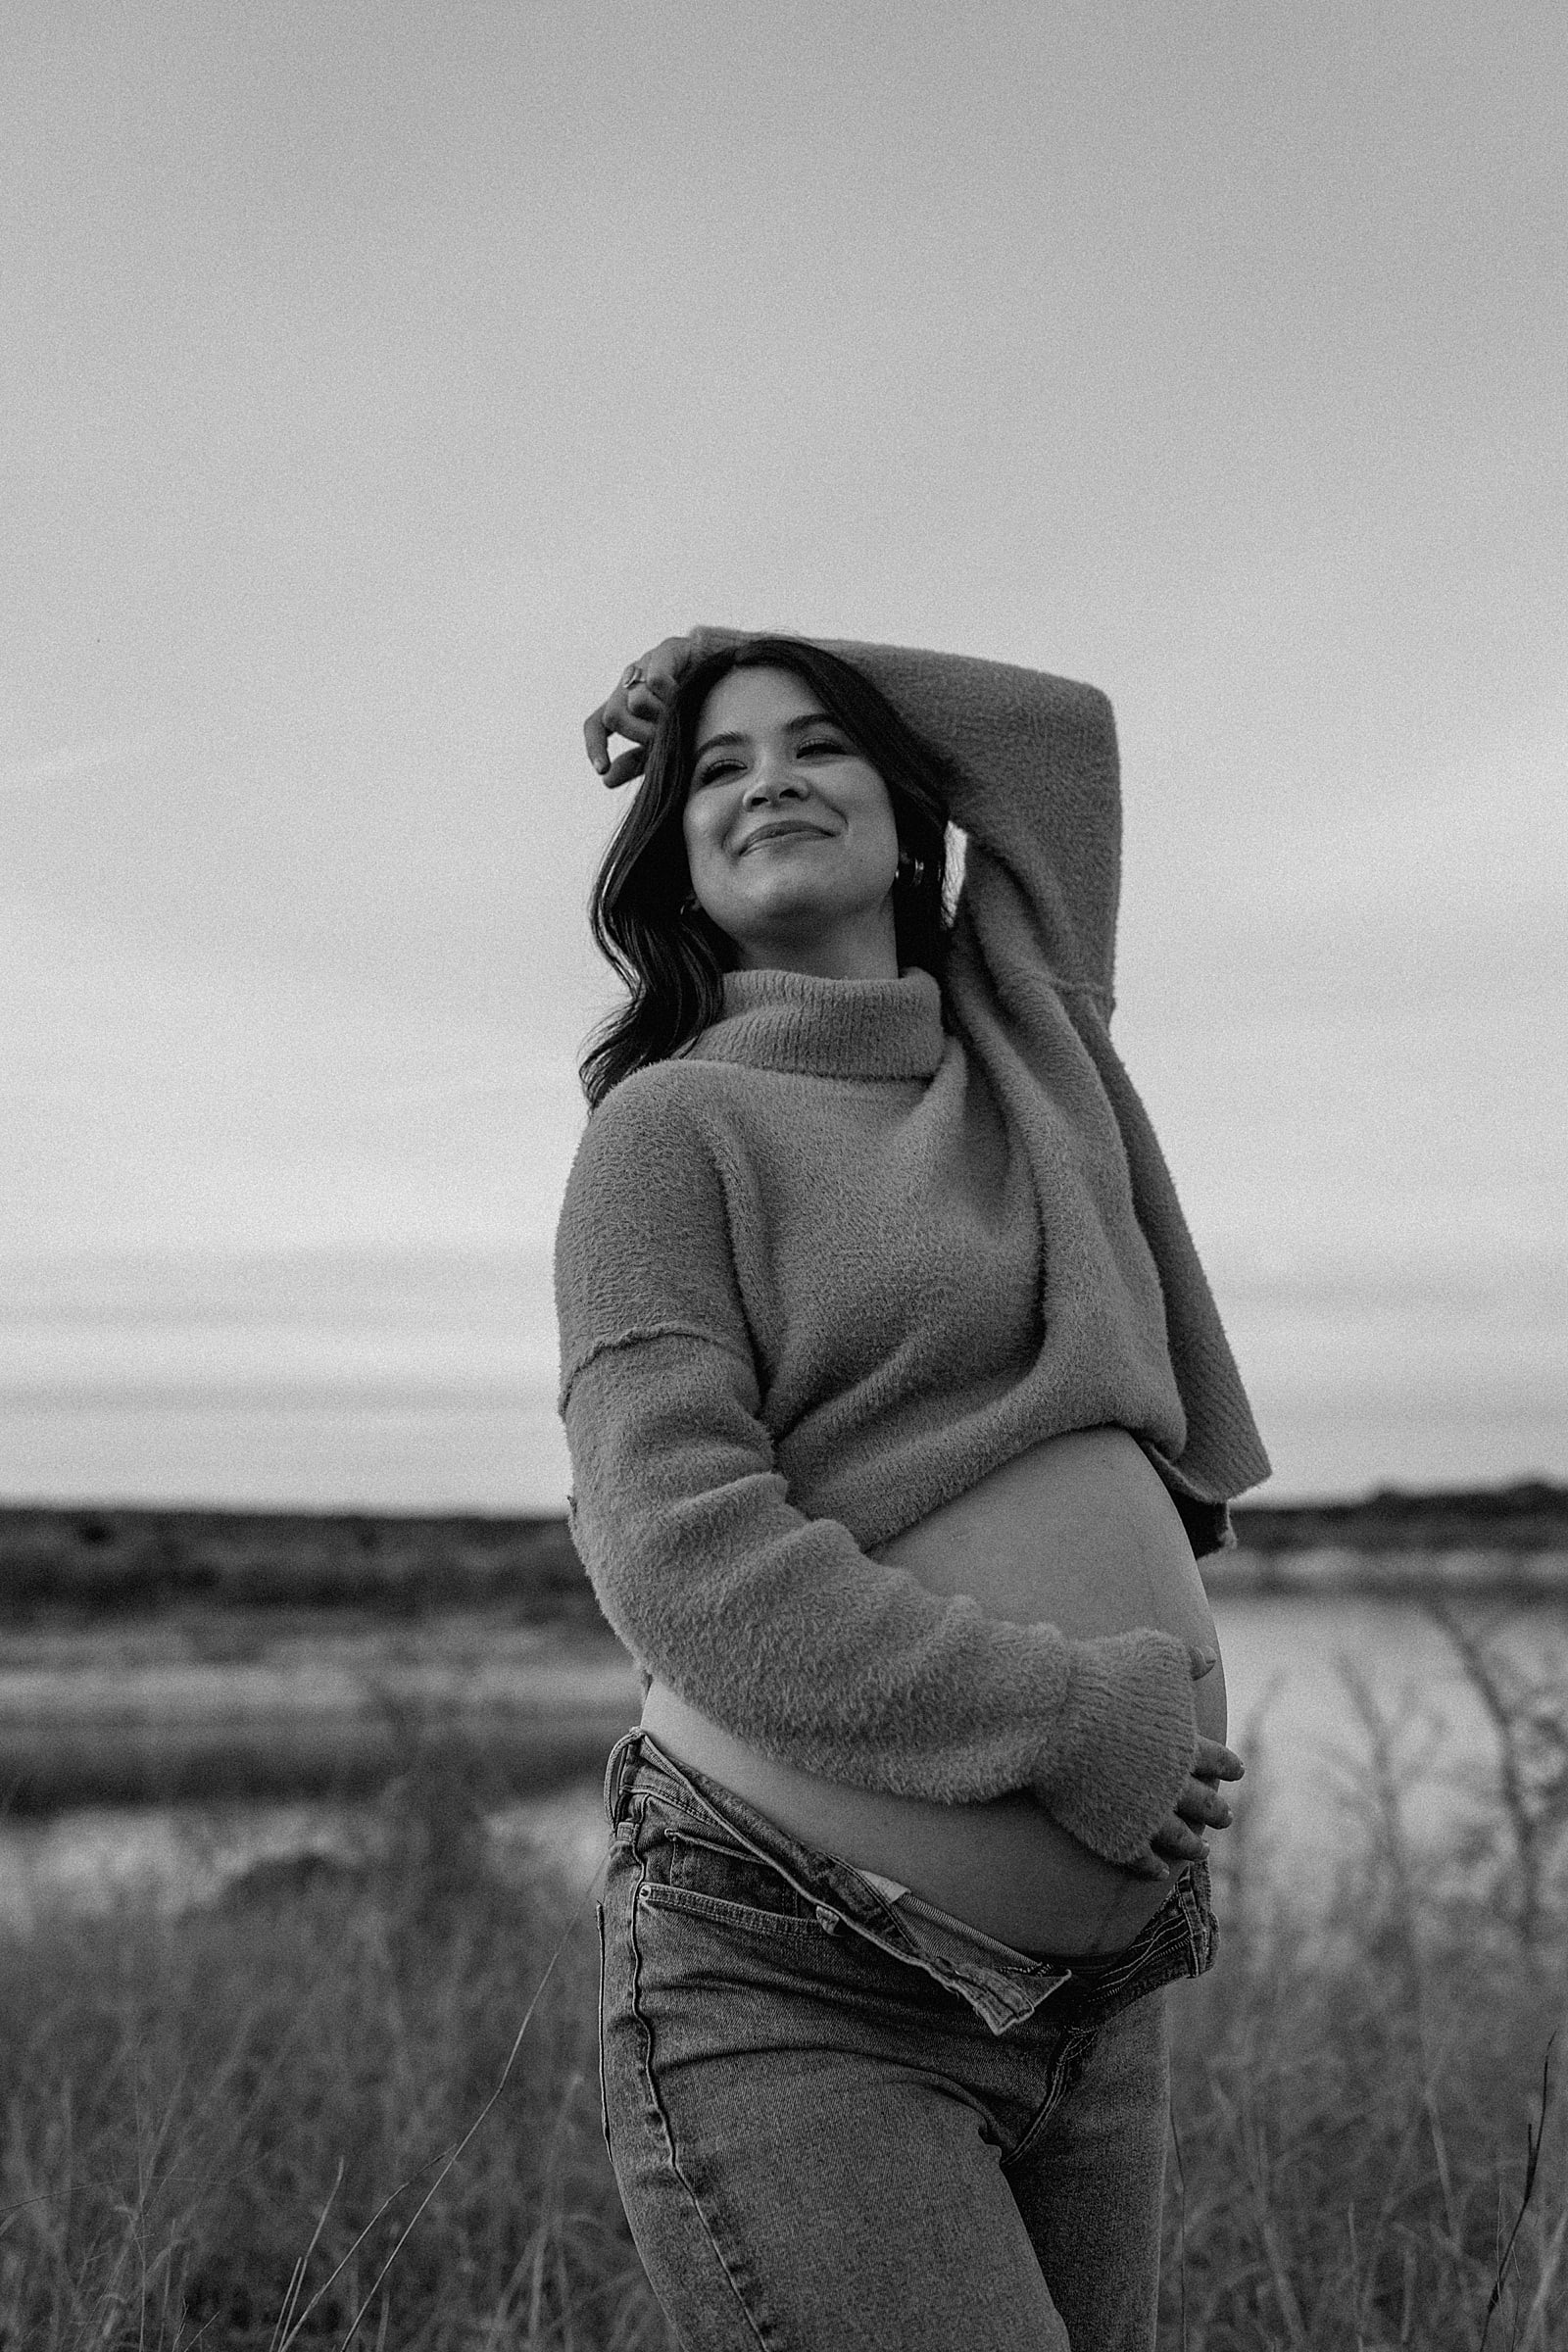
column 704, row 1878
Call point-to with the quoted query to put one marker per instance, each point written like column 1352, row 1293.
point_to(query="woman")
column 898, row 1411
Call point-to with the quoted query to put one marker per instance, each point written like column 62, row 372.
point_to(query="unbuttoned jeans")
column 842, row 2121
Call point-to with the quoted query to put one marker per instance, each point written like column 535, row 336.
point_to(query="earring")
column 688, row 905
column 910, row 870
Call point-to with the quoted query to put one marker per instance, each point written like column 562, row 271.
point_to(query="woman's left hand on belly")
column 1200, row 1807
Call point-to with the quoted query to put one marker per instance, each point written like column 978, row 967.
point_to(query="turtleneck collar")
column 828, row 1028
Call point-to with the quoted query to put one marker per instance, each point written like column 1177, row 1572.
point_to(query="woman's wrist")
column 1124, row 1744
column 713, row 637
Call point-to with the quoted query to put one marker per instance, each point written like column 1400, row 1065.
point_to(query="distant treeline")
column 91, row 1562
column 68, row 1563
column 1530, row 1515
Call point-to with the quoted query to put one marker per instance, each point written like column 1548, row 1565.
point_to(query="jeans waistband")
column 1002, row 1986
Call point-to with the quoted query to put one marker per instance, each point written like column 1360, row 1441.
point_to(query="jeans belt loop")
column 619, row 1769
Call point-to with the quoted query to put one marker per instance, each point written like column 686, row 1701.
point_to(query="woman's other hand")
column 633, row 710
column 1201, row 1806
column 1180, row 1835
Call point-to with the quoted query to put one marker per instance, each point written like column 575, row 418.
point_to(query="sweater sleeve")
column 776, row 1625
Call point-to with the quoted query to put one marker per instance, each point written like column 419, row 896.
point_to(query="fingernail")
column 602, row 765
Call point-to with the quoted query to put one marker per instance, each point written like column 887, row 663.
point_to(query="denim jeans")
column 844, row 2121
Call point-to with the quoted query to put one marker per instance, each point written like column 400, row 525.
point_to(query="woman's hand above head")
column 633, row 710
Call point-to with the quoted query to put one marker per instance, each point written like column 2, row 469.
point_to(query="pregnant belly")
column 1078, row 1533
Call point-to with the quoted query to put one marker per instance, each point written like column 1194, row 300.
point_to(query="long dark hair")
column 674, row 958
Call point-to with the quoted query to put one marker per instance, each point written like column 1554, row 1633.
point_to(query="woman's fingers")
column 1213, row 1761
column 626, row 768
column 1201, row 1802
column 1174, row 1841
column 619, row 716
column 596, row 738
column 596, row 734
column 634, row 710
column 623, row 717
column 1172, row 1845
column 1181, row 1836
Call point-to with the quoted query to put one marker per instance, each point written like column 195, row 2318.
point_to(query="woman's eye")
column 831, row 747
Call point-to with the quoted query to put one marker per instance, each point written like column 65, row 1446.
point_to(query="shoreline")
column 87, row 1562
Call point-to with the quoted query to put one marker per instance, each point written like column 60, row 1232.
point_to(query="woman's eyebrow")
column 792, row 726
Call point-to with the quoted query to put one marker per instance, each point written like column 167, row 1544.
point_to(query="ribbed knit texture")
column 866, row 1242
column 828, row 1028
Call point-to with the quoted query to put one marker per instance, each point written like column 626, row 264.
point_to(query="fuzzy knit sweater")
column 864, row 1242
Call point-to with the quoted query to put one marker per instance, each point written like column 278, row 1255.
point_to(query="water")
column 175, row 1859
column 1303, row 1672
column 1294, row 1712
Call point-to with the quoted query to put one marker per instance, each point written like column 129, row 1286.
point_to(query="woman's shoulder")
column 667, row 1098
column 643, row 1243
column 652, row 1134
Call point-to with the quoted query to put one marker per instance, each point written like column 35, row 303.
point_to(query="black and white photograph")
column 783, row 1239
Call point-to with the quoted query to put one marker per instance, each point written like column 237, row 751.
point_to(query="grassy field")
column 222, row 2129
column 219, row 2129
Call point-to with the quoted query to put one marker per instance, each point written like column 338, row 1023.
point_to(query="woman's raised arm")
column 1035, row 784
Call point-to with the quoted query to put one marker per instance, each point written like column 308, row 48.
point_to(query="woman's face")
column 789, row 832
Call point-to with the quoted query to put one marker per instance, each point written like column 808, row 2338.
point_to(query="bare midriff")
column 1079, row 1532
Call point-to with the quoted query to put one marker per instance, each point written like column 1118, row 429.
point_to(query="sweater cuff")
column 1127, row 1736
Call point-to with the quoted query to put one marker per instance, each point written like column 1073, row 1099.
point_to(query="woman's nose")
column 772, row 781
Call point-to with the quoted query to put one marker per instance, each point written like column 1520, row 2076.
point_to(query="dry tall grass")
column 185, row 2102
column 204, row 2120
column 1355, row 2115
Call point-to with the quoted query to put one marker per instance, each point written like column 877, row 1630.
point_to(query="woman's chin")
column 795, row 926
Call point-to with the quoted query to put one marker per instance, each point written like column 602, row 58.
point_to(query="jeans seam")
column 604, row 2092
column 645, row 2041
column 1076, row 2044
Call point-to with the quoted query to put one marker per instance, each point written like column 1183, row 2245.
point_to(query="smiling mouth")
column 782, row 833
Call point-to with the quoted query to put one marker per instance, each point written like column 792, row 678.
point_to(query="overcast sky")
column 376, row 381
